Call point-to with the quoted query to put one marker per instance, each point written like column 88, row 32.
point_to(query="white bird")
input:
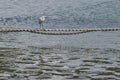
column 41, row 21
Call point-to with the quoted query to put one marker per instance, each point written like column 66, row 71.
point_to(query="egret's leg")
column 41, row 26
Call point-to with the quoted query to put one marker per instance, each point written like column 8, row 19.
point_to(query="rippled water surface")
column 88, row 56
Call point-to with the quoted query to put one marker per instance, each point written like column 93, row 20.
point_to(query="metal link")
column 57, row 31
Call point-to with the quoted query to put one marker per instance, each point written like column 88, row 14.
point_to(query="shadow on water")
column 52, row 63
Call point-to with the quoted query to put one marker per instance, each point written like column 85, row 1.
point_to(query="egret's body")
column 41, row 21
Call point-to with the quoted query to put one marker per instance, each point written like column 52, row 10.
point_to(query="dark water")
column 88, row 56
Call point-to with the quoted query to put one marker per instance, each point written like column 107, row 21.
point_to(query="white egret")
column 41, row 21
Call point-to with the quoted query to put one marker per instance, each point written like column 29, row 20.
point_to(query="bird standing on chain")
column 41, row 21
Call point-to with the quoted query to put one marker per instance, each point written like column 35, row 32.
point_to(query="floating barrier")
column 57, row 31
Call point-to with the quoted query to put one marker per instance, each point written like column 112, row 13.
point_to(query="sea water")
column 88, row 56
